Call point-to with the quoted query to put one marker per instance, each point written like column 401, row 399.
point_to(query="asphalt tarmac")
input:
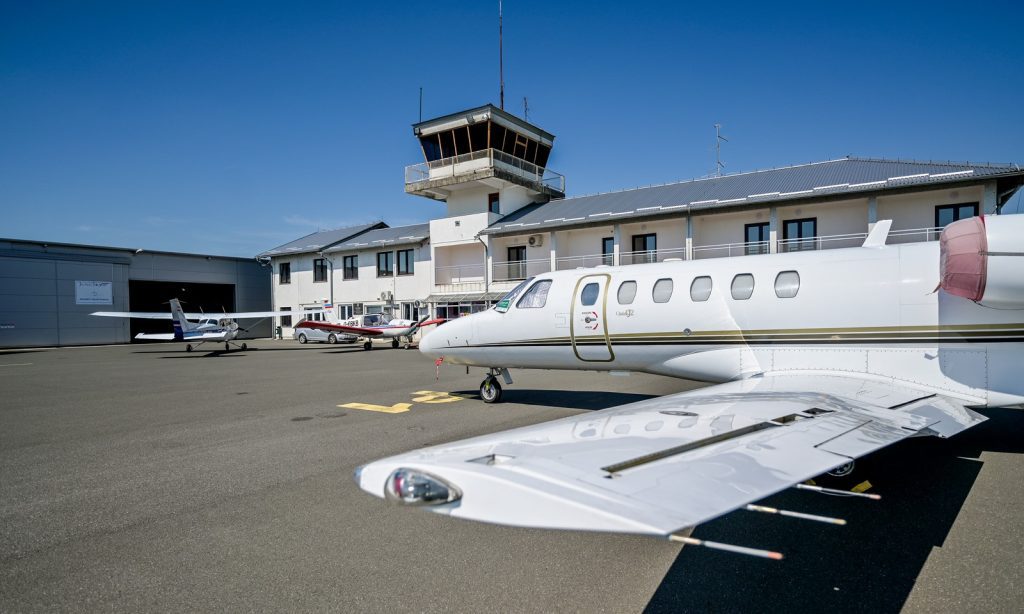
column 142, row 478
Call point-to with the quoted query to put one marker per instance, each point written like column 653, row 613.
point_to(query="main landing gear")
column 490, row 388
column 367, row 345
column 227, row 346
column 394, row 343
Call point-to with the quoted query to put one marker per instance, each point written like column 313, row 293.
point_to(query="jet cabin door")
column 588, row 324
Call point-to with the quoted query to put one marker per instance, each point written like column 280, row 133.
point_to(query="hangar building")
column 48, row 290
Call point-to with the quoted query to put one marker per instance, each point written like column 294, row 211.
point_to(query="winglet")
column 878, row 235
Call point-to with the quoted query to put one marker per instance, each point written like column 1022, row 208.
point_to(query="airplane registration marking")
column 431, row 397
column 397, row 408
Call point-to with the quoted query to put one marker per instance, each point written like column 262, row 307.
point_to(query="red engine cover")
column 963, row 263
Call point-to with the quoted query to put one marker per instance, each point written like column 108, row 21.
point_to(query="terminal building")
column 508, row 219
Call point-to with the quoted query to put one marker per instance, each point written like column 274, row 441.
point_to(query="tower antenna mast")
column 718, row 150
column 501, row 62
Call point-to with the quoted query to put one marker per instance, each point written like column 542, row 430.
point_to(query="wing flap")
column 664, row 464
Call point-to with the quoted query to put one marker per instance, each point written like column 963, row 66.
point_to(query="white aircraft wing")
column 166, row 315
column 206, row 336
column 662, row 465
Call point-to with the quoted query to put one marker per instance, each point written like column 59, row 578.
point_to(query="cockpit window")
column 589, row 295
column 536, row 297
column 503, row 305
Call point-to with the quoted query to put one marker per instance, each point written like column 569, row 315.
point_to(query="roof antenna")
column 421, row 104
column 501, row 62
column 719, row 165
column 526, row 109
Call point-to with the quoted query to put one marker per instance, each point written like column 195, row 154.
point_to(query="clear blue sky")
column 231, row 127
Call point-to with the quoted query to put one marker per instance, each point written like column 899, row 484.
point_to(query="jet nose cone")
column 429, row 343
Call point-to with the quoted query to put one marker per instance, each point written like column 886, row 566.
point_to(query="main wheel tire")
column 408, row 345
column 367, row 345
column 490, row 390
column 302, row 337
column 394, row 343
column 331, row 339
column 188, row 348
column 244, row 347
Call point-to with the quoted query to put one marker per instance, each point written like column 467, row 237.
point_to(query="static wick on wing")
column 837, row 492
column 692, row 541
column 774, row 510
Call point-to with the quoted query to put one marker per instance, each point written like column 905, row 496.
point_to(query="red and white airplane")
column 374, row 326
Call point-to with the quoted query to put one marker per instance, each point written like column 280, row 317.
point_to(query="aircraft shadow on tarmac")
column 12, row 352
column 566, row 399
column 871, row 564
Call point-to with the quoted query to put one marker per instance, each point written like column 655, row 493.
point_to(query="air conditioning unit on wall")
column 386, row 295
column 535, row 240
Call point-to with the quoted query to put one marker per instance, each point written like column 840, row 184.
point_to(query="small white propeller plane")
column 220, row 329
column 821, row 357
column 374, row 326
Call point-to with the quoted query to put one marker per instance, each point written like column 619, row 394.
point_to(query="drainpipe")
column 487, row 257
column 331, row 264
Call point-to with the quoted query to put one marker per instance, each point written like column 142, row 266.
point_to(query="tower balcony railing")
column 518, row 270
column 486, row 159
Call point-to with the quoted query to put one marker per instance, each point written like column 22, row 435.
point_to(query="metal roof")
column 398, row 235
column 846, row 176
column 317, row 241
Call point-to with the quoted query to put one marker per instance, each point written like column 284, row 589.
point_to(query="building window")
column 284, row 273
column 627, row 292
column 756, row 238
column 385, row 264
column 286, row 320
column 662, row 290
column 742, row 286
column 608, row 251
column 492, row 202
column 320, row 269
column 405, row 262
column 350, row 267
column 787, row 284
column 947, row 214
column 645, row 248
column 799, row 235
column 517, row 262
column 536, row 297
column 700, row 289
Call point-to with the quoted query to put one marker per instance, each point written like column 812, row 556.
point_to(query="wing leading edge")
column 665, row 464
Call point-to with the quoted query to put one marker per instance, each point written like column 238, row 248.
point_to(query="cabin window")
column 536, row 297
column 350, row 267
column 742, row 286
column 589, row 295
column 319, row 270
column 700, row 289
column 627, row 292
column 947, row 214
column 662, row 290
column 787, row 284
column 284, row 273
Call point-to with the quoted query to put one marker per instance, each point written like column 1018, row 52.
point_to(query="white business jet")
column 220, row 329
column 374, row 326
column 821, row 357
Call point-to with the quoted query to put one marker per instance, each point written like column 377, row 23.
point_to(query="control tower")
column 484, row 164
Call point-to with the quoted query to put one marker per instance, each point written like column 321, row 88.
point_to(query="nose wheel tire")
column 367, row 345
column 490, row 390
column 394, row 343
column 188, row 348
column 244, row 347
column 331, row 339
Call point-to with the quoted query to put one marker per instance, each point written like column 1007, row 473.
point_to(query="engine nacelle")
column 982, row 260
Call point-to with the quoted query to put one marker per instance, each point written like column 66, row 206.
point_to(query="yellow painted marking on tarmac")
column 397, row 408
column 16, row 364
column 862, row 487
column 429, row 396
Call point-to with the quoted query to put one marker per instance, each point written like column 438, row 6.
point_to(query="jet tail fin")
column 878, row 235
column 181, row 323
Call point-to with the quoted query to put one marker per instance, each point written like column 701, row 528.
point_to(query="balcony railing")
column 478, row 160
column 517, row 270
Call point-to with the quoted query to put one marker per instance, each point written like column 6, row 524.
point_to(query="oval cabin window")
column 589, row 295
column 662, row 291
column 787, row 284
column 627, row 292
column 700, row 289
column 742, row 286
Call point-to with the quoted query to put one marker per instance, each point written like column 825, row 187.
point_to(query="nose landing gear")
column 490, row 388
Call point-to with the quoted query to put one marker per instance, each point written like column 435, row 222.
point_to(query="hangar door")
column 156, row 296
